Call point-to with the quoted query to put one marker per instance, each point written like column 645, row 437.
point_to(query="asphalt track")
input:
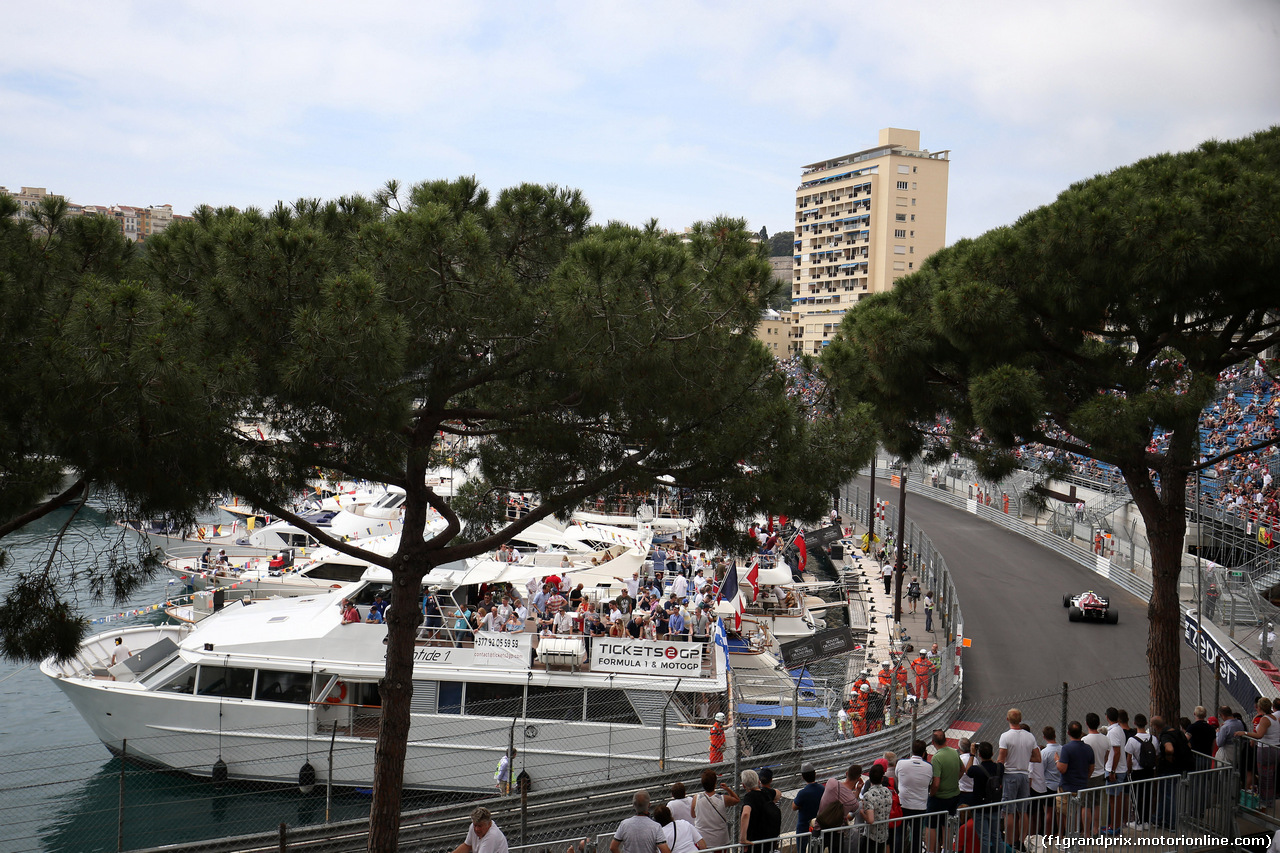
column 1011, row 592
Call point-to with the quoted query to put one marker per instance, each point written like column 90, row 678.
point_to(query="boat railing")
column 448, row 636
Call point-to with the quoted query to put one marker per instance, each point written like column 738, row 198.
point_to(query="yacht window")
column 366, row 593
column 300, row 540
column 274, row 686
column 345, row 572
column 610, row 706
column 554, row 703
column 391, row 500
column 231, row 682
column 494, row 700
column 176, row 677
column 450, row 701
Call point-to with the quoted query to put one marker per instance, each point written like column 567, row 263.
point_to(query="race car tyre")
column 1066, row 601
column 1112, row 617
column 1075, row 614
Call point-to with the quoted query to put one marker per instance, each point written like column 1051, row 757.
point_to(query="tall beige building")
column 863, row 221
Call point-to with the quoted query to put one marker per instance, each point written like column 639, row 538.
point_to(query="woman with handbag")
column 837, row 807
column 710, row 810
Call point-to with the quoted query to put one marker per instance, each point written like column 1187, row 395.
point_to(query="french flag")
column 729, row 592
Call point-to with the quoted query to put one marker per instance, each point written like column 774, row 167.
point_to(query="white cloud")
column 667, row 109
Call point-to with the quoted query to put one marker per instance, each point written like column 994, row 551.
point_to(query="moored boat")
column 267, row 689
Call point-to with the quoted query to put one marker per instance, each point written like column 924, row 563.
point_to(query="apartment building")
column 863, row 221
column 136, row 223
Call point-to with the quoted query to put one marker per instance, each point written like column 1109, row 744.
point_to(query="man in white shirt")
column 914, row 775
column 1117, row 770
column 1098, row 742
column 1017, row 750
column 483, row 836
column 680, row 587
column 633, row 585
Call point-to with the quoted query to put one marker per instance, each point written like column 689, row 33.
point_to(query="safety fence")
column 1174, row 811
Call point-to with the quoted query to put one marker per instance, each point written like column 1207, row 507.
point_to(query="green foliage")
column 37, row 620
column 781, row 244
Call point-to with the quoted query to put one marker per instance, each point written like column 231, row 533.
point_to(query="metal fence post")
column 124, row 750
column 1062, row 735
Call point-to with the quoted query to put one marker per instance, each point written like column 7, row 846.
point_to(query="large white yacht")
column 264, row 690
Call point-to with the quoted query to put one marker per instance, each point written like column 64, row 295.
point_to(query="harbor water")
column 62, row 790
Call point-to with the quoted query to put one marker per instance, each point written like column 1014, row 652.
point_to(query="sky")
column 679, row 111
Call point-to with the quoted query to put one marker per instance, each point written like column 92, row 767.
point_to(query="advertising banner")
column 646, row 656
column 1229, row 674
column 503, row 651
column 820, row 646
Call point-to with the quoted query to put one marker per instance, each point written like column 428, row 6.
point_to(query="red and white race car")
column 1089, row 606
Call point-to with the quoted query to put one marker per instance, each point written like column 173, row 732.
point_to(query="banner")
column 820, row 646
column 1236, row 682
column 491, row 649
column 646, row 656
column 824, row 536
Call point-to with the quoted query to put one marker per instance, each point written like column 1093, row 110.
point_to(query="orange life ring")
column 342, row 694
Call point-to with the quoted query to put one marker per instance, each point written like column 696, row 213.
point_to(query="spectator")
column 711, row 810
column 761, row 820
column 806, row 803
column 681, row 835
column 483, row 836
column 944, row 789
column 873, row 808
column 638, row 833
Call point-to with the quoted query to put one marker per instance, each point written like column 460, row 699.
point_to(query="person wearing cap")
column 805, row 805
column 377, row 610
column 922, row 668
column 858, row 710
column 717, row 739
column 121, row 652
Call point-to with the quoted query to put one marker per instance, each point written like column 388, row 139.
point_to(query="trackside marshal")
column 646, row 656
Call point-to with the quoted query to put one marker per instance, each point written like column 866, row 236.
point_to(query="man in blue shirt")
column 805, row 805
column 675, row 625
column 1075, row 763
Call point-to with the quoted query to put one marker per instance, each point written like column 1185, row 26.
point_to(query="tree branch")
column 44, row 509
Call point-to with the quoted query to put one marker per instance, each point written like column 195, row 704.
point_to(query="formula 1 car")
column 1091, row 607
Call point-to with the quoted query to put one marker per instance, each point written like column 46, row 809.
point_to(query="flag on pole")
column 729, row 592
column 804, row 552
column 753, row 580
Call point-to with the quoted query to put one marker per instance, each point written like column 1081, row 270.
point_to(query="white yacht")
column 266, row 690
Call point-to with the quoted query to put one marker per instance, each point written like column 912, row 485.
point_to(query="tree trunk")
column 1165, row 512
column 1164, row 637
column 396, row 690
